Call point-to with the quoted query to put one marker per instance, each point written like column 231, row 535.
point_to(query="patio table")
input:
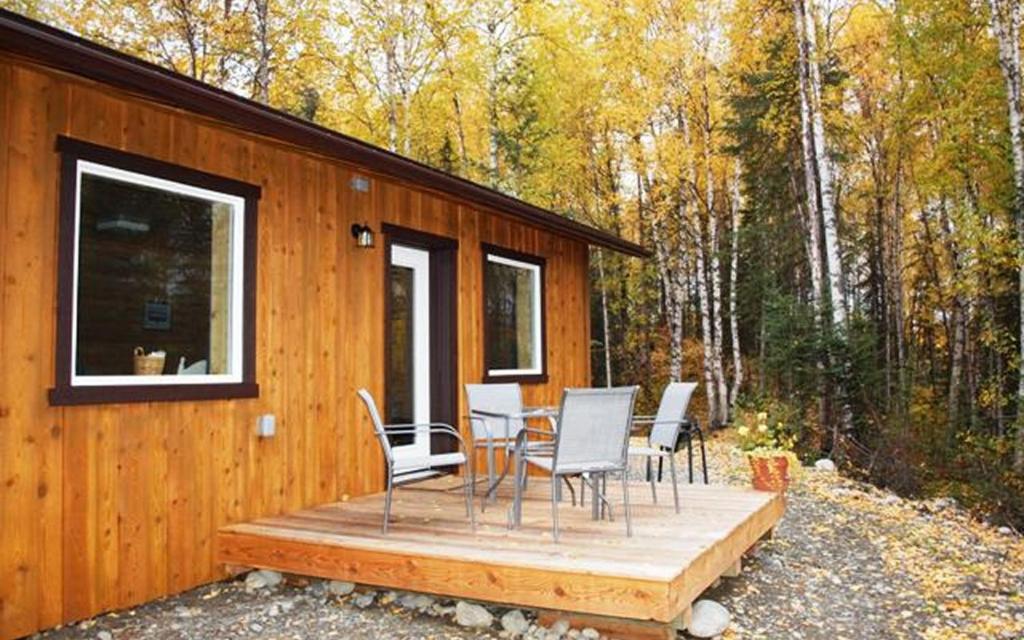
column 528, row 413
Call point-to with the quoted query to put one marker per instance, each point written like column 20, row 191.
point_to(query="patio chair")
column 496, row 416
column 592, row 440
column 666, row 429
column 491, row 407
column 402, row 470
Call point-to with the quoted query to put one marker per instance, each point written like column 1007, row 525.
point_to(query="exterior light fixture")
column 363, row 235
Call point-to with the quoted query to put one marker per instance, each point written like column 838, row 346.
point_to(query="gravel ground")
column 847, row 562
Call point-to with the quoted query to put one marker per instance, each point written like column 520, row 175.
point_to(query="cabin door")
column 408, row 379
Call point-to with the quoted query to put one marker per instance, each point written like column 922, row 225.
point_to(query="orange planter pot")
column 770, row 473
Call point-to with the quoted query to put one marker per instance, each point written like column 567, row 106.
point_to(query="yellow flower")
column 762, row 417
column 743, row 431
column 762, row 427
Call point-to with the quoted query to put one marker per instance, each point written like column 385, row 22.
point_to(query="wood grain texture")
column 594, row 568
column 119, row 504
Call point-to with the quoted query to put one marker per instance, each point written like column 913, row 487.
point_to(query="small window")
column 156, row 291
column 513, row 316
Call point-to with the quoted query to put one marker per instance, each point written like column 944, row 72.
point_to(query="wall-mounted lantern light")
column 363, row 235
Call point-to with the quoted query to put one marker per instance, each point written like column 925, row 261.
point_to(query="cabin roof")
column 59, row 49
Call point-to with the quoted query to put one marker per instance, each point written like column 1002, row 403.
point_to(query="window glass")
column 155, row 292
column 513, row 316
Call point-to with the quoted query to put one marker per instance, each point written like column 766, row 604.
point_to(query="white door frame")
column 419, row 261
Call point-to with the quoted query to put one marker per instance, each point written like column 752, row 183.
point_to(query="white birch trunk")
column 673, row 289
column 604, row 319
column 1006, row 22
column 261, row 79
column 824, row 169
column 715, row 285
column 701, row 274
column 734, row 326
column 813, row 221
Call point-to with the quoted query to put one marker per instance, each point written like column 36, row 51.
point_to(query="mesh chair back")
column 378, row 424
column 671, row 412
column 495, row 398
column 593, row 428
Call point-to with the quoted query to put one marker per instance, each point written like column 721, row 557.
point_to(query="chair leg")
column 689, row 456
column 650, row 477
column 625, row 502
column 703, row 456
column 517, row 493
column 675, row 482
column 387, row 504
column 554, row 507
column 572, row 492
column 470, row 487
column 583, row 490
column 490, row 471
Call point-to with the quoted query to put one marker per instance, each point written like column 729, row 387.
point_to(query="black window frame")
column 63, row 393
column 512, row 254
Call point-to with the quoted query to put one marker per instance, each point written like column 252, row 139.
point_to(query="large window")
column 513, row 315
column 156, row 291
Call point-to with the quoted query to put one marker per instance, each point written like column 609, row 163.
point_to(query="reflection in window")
column 513, row 316
column 156, row 268
column 400, row 381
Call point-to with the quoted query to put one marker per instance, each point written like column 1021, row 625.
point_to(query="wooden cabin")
column 268, row 268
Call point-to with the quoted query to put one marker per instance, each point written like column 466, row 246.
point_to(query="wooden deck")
column 594, row 570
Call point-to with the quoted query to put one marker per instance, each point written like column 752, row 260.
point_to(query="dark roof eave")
column 56, row 48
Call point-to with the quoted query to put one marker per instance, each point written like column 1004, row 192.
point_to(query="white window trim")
column 537, row 320
column 235, row 310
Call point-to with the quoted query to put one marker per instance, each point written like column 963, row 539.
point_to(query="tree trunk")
column 813, row 221
column 734, row 326
column 956, row 365
column 604, row 319
column 261, row 79
column 823, row 166
column 697, row 234
column 1006, row 22
column 715, row 285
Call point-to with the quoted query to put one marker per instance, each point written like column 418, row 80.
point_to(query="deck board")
column 593, row 569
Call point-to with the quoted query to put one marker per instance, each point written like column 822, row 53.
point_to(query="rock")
column 364, row 600
column 472, row 615
column 416, row 601
column 1005, row 530
column 104, row 635
column 825, row 465
column 591, row 633
column 442, row 610
column 515, row 623
column 560, row 627
column 709, row 619
column 261, row 579
column 340, row 588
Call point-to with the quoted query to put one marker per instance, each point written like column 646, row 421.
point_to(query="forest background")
column 833, row 189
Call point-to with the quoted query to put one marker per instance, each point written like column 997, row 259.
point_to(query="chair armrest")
column 522, row 438
column 432, row 427
column 532, row 410
column 487, row 429
column 490, row 414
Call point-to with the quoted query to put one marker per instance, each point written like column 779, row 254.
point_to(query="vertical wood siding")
column 107, row 506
